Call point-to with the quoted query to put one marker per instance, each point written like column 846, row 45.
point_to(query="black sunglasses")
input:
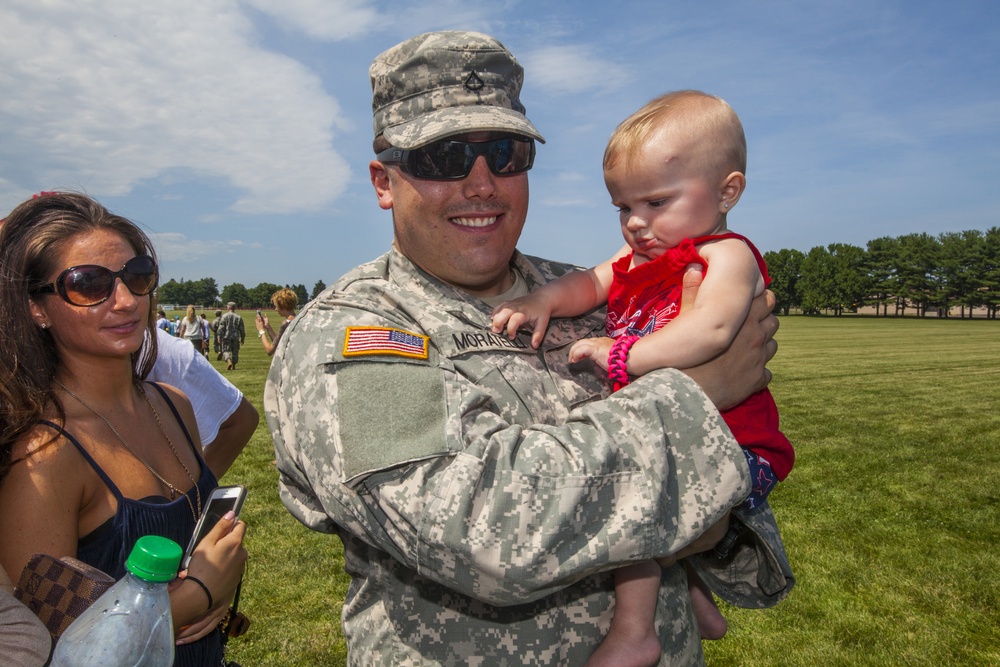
column 90, row 284
column 453, row 160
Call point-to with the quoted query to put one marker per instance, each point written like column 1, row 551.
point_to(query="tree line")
column 919, row 272
column 929, row 274
column 205, row 293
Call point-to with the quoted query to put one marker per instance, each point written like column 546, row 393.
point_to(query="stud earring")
column 44, row 325
column 726, row 205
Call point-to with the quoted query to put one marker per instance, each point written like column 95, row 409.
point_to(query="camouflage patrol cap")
column 445, row 83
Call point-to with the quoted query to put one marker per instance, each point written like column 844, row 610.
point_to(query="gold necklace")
column 166, row 437
column 173, row 490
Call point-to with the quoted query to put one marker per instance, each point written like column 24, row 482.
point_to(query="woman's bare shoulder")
column 42, row 448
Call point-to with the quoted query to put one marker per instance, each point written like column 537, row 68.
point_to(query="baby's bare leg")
column 711, row 623
column 632, row 639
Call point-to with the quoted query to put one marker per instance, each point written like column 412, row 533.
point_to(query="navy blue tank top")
column 108, row 546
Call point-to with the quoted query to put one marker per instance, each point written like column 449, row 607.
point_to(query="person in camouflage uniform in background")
column 484, row 490
column 232, row 334
column 216, row 344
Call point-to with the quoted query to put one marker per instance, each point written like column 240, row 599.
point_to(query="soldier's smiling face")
column 462, row 231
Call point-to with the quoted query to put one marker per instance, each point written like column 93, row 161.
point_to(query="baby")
column 674, row 170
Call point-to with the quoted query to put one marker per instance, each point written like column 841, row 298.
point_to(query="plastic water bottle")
column 130, row 625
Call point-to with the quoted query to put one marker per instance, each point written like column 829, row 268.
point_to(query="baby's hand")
column 596, row 349
column 524, row 312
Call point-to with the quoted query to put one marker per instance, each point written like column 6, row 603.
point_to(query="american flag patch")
column 361, row 341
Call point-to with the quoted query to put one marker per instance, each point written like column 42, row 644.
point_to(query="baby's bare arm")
column 561, row 298
column 572, row 294
column 707, row 327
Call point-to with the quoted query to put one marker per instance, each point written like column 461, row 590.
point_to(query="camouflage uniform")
column 232, row 333
column 484, row 490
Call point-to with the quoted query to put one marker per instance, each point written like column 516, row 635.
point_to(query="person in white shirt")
column 226, row 419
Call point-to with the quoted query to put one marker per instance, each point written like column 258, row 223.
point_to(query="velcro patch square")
column 363, row 341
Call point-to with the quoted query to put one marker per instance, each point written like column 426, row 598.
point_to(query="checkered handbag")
column 59, row 589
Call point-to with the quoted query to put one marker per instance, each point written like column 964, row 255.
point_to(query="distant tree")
column 816, row 288
column 960, row 258
column 785, row 269
column 989, row 271
column 317, row 288
column 300, row 293
column 916, row 268
column 171, row 292
column 196, row 292
column 236, row 293
column 203, row 292
column 882, row 260
column 851, row 283
column 260, row 296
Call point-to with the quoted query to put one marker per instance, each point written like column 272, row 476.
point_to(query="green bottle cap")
column 154, row 558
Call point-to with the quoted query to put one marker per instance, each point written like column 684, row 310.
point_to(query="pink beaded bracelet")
column 617, row 361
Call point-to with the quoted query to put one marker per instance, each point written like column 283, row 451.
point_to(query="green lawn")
column 889, row 517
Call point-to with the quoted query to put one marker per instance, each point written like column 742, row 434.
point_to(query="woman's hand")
column 218, row 563
column 202, row 626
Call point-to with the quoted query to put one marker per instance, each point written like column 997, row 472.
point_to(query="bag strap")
column 235, row 623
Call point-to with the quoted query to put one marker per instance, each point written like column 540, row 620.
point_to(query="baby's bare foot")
column 620, row 651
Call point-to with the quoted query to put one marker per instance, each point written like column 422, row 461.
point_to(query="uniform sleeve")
column 756, row 574
column 415, row 459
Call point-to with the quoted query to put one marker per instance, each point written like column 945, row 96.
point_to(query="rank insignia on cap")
column 474, row 83
column 363, row 341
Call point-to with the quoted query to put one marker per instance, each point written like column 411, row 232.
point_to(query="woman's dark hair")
column 31, row 238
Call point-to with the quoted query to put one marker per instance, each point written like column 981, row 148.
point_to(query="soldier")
column 216, row 344
column 232, row 333
column 484, row 489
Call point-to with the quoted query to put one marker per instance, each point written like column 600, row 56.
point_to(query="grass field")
column 890, row 516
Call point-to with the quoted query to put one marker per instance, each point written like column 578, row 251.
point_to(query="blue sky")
column 238, row 132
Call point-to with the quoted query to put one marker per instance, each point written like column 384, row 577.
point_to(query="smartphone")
column 259, row 313
column 222, row 499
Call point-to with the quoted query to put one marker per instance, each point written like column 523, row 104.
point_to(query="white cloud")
column 572, row 69
column 338, row 20
column 178, row 248
column 413, row 18
column 104, row 95
column 332, row 20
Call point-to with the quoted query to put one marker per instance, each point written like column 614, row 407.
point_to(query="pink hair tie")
column 618, row 361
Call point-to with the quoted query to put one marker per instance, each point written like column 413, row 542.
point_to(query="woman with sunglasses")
column 91, row 456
